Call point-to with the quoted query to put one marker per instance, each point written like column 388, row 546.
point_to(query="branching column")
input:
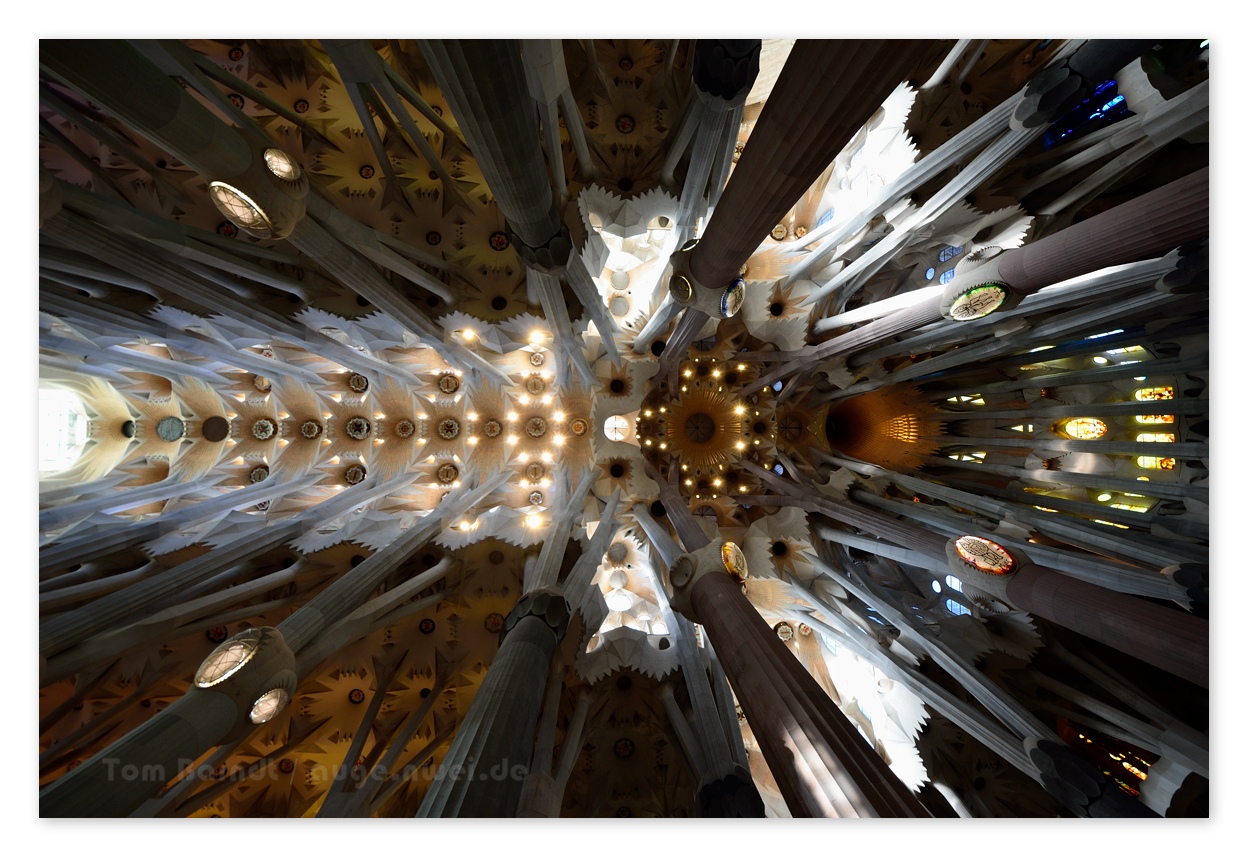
column 821, row 763
column 484, row 770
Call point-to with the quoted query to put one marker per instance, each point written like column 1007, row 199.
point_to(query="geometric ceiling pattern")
column 622, row 428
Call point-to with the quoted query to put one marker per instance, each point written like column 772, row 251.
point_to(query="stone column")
column 484, row 770
column 115, row 781
column 824, row 95
column 262, row 199
column 821, row 763
column 1171, row 640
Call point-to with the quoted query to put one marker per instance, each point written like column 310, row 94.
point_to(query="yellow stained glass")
column 1083, row 428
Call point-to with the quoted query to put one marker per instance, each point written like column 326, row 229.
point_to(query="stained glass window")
column 1083, row 428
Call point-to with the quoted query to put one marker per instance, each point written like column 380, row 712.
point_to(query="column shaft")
column 821, row 763
column 824, row 95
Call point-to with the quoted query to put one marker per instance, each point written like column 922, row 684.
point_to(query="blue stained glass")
column 946, row 276
column 779, row 469
column 955, row 608
column 949, row 252
column 931, row 272
column 1104, row 86
column 1113, row 102
column 826, row 217
column 778, row 386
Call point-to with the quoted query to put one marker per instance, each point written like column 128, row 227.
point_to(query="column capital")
column 549, row 258
column 716, row 300
column 548, row 605
column 256, row 670
column 984, row 564
column 718, row 557
column 978, row 288
column 733, row 795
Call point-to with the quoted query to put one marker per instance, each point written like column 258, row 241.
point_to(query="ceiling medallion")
column 679, row 429
column 499, row 241
column 358, row 428
column 800, row 232
column 536, row 427
column 494, row 622
column 448, row 382
column 803, row 629
column 984, row 555
column 310, row 429
column 355, row 474
column 356, row 696
column 302, row 105
column 262, row 383
column 358, row 383
column 534, row 471
column 448, row 429
column 784, row 631
column 404, row 428
column 433, row 238
column 535, row 385
column 367, row 171
column 492, row 428
column 427, row 625
column 780, row 232
column 734, row 560
column 262, row 429
column 537, row 358
column 624, row 748
column 625, row 124
column 170, row 429
column 536, row 498
column 217, row 633
column 699, row 427
column 448, row 473
column 579, row 427
column 286, row 766
column 259, row 474
column 978, row 302
column 236, row 54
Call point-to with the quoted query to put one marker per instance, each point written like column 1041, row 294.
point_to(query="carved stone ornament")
column 263, row 429
column 448, row 429
column 545, row 604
